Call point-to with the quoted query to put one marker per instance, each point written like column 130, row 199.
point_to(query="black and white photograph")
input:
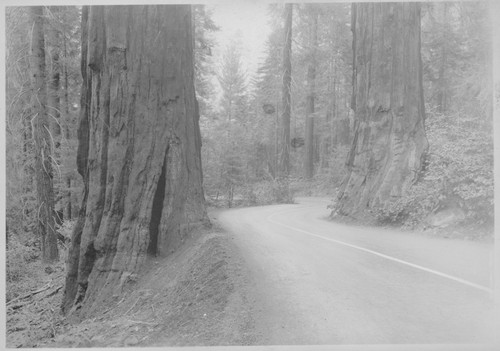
column 250, row 174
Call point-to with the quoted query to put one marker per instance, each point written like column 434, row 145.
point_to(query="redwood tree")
column 311, row 92
column 389, row 140
column 284, row 156
column 42, row 141
column 139, row 146
column 53, row 83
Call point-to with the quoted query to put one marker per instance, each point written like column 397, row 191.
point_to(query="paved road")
column 317, row 282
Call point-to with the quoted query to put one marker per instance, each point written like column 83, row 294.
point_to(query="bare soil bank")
column 196, row 296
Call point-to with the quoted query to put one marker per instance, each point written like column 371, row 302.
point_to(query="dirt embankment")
column 197, row 296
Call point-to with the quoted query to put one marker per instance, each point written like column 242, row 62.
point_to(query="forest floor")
column 200, row 295
column 197, row 296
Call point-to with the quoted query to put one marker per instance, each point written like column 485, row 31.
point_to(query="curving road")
column 313, row 281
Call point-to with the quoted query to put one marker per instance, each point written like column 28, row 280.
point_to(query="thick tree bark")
column 139, row 147
column 42, row 142
column 284, row 155
column 389, row 138
column 311, row 95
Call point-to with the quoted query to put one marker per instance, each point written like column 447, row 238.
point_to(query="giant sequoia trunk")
column 389, row 139
column 43, row 151
column 139, row 146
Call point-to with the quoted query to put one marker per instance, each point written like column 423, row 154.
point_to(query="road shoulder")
column 195, row 297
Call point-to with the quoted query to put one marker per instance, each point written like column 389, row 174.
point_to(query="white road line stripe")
column 462, row 281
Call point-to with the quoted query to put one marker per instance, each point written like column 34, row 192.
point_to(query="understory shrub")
column 268, row 192
column 18, row 255
column 459, row 166
column 326, row 180
column 25, row 270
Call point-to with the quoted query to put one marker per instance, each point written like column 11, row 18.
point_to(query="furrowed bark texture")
column 43, row 150
column 389, row 138
column 139, row 150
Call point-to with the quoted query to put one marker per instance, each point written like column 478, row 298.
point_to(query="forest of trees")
column 442, row 156
column 122, row 126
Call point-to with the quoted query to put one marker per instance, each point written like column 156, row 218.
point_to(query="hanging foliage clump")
column 268, row 109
